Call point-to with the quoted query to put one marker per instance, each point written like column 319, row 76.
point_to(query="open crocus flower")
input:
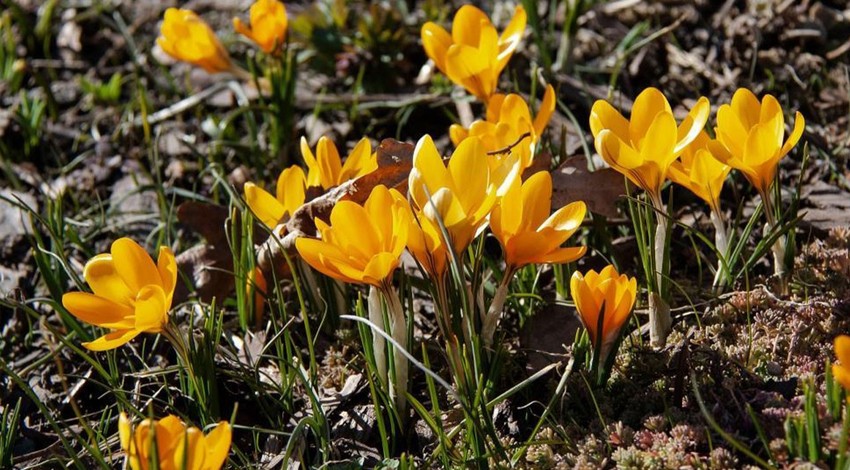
column 474, row 55
column 527, row 233
column 186, row 37
column 131, row 294
column 643, row 147
column 168, row 444
column 700, row 171
column 326, row 169
column 289, row 196
column 460, row 195
column 752, row 132
column 841, row 369
column 362, row 244
column 605, row 300
column 268, row 25
column 508, row 119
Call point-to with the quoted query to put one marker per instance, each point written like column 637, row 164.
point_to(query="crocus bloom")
column 326, row 169
column 508, row 119
column 362, row 244
column 700, row 171
column 841, row 369
column 752, row 132
column 268, row 25
column 186, row 37
column 131, row 294
column 527, row 233
column 171, row 445
column 643, row 147
column 474, row 54
column 605, row 293
column 289, row 196
column 460, row 195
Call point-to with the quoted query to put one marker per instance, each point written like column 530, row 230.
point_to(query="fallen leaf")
column 599, row 189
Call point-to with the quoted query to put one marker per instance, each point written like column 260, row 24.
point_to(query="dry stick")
column 510, row 147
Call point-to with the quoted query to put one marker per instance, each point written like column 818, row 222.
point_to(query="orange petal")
column 268, row 209
column 112, row 340
column 134, row 265
column 98, row 311
column 104, row 280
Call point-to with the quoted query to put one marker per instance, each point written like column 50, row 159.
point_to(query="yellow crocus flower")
column 508, row 119
column 606, row 293
column 186, row 37
column 268, row 25
column 362, row 244
column 326, row 169
column 700, row 171
column 474, row 55
column 752, row 132
column 643, row 147
column 131, row 295
column 289, row 196
column 525, row 229
column 459, row 195
column 168, row 444
column 841, row 369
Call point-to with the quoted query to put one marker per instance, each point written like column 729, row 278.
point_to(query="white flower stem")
column 721, row 243
column 660, row 321
column 490, row 319
column 399, row 334
column 379, row 348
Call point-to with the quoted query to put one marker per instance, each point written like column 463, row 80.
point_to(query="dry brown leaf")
column 599, row 189
column 210, row 265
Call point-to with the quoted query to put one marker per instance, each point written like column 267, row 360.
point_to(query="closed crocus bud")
column 268, row 25
column 168, row 444
column 289, row 196
column 644, row 146
column 522, row 223
column 700, row 171
column 604, row 301
column 131, row 295
column 474, row 54
column 752, row 132
column 186, row 37
column 362, row 244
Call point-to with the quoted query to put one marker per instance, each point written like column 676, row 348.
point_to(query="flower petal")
column 98, row 311
column 268, row 209
column 112, row 340
column 436, row 41
column 134, row 265
column 218, row 445
column 104, row 280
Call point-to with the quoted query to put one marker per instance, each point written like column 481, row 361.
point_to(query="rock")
column 15, row 223
column 133, row 204
column 829, row 207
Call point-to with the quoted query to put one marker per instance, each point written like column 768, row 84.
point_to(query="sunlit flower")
column 643, row 147
column 131, row 294
column 289, row 196
column 362, row 244
column 459, row 196
column 168, row 444
column 508, row 119
column 326, row 169
column 186, row 37
column 700, row 172
column 528, row 233
column 268, row 25
column 607, row 294
column 841, row 369
column 474, row 54
column 752, row 132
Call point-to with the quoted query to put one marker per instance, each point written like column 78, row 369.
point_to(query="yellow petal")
column 511, row 36
column 693, row 125
column 313, row 172
column 190, row 451
column 567, row 218
column 468, row 166
column 166, row 264
column 547, row 107
column 359, row 162
column 796, row 133
column 604, row 116
column 467, row 24
column 436, row 42
column 329, row 163
column 470, row 68
column 428, row 172
column 111, row 340
column 380, row 267
column 151, row 310
column 562, row 255
column 649, row 104
column 218, row 446
column 134, row 264
column 659, row 141
column 104, row 280
column 98, row 311
column 290, row 190
column 268, row 209
column 746, row 107
column 842, row 349
column 457, row 133
column 841, row 375
column 760, row 157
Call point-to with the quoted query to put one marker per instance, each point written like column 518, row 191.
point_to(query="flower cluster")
column 168, row 444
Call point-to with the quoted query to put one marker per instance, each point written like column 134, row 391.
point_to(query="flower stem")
column 660, row 321
column 778, row 248
column 379, row 348
column 491, row 318
column 399, row 333
column 721, row 243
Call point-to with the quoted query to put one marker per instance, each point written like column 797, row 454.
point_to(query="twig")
column 510, row 147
